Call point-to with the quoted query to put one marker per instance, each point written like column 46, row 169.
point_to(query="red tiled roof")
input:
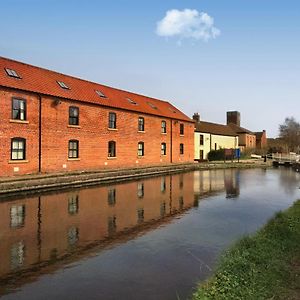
column 214, row 128
column 42, row 81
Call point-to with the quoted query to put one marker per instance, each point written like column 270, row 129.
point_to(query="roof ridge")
column 81, row 79
column 226, row 125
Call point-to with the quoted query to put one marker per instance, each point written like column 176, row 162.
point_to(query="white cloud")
column 187, row 24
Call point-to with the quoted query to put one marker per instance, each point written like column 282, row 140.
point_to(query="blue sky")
column 252, row 66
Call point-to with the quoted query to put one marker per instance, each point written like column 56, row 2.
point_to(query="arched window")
column 112, row 149
column 141, row 124
column 73, row 115
column 18, row 109
column 163, row 148
column 112, row 120
column 163, row 127
column 181, row 129
column 18, row 148
column 141, row 149
column 73, row 149
column 181, row 148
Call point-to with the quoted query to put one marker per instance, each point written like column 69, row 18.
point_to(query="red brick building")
column 247, row 138
column 51, row 122
column 261, row 140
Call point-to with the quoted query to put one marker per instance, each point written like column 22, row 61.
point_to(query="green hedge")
column 216, row 154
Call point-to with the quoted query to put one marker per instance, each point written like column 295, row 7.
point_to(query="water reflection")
column 212, row 181
column 56, row 224
column 40, row 230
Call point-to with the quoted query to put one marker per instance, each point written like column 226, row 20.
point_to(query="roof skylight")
column 100, row 94
column 131, row 101
column 63, row 85
column 172, row 110
column 12, row 73
column 152, row 105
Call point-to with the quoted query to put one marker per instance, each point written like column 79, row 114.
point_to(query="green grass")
column 263, row 266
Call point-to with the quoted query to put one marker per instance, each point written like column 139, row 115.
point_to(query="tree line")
column 289, row 132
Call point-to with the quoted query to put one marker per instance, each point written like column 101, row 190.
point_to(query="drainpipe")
column 40, row 133
column 171, row 142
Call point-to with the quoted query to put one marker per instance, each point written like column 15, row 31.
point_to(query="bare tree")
column 289, row 131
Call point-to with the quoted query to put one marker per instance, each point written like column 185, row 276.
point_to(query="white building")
column 212, row 136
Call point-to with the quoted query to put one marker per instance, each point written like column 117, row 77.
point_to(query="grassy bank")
column 263, row 266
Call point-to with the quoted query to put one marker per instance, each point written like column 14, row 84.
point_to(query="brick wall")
column 92, row 133
column 12, row 128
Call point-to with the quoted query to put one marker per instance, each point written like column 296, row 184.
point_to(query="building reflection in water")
column 214, row 181
column 55, row 225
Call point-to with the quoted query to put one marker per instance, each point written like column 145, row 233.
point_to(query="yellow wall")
column 222, row 141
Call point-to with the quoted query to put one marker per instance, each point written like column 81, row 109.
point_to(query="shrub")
column 216, row 154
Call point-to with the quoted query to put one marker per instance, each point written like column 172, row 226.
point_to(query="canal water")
column 149, row 239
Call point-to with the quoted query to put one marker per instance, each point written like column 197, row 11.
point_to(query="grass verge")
column 263, row 266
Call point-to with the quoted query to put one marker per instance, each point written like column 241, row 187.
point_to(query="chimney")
column 196, row 117
column 234, row 117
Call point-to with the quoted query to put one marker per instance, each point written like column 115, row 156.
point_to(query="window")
column 73, row 235
column 163, row 127
column 181, row 148
column 152, row 105
column 140, row 214
column 18, row 149
column 112, row 149
column 163, row 148
column 111, row 197
column 180, row 202
column 131, row 101
column 12, row 73
column 163, row 184
column 201, row 154
column 100, row 94
column 201, row 139
column 63, row 85
column 73, row 115
column 141, row 149
column 162, row 209
column 17, row 216
column 73, row 149
column 19, row 109
column 216, row 146
column 181, row 129
column 111, row 225
column 140, row 190
column 112, row 120
column 17, row 255
column 73, row 205
column 181, row 181
column 141, row 124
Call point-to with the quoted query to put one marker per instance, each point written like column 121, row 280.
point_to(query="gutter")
column 171, row 143
column 40, row 133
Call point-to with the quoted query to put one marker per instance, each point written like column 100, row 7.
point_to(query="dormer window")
column 63, row 85
column 12, row 73
column 131, row 101
column 152, row 105
column 100, row 94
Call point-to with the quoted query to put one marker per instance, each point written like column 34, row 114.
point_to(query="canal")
column 149, row 239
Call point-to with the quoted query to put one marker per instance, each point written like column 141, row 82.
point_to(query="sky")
column 205, row 56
